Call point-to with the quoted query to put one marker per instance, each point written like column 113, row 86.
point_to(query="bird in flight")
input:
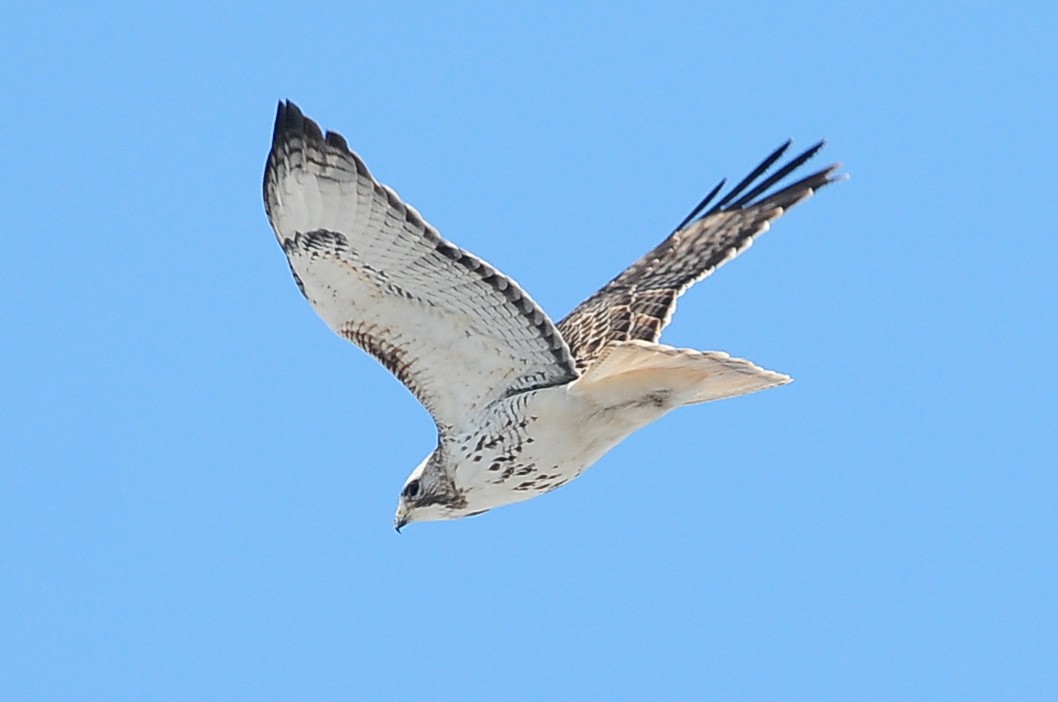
column 522, row 405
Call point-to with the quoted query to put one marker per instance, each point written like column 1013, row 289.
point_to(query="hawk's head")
column 429, row 494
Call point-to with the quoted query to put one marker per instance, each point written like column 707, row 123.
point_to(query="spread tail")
column 628, row 371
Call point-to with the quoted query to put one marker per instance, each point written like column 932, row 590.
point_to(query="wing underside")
column 457, row 332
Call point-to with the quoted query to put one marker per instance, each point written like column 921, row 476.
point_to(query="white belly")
column 564, row 434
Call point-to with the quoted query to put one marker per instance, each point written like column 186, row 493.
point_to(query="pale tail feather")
column 629, row 370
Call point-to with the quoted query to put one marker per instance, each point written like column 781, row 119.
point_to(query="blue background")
column 197, row 478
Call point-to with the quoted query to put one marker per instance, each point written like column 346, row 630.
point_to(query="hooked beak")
column 402, row 516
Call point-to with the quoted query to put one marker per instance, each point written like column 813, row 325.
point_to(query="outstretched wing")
column 457, row 332
column 639, row 302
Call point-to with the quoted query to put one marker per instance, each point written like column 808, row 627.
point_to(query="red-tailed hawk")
column 522, row 405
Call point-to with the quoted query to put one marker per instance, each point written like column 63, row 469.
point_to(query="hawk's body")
column 522, row 405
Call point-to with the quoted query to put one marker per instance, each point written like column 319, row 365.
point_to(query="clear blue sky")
column 197, row 478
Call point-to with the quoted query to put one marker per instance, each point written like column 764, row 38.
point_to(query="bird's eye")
column 411, row 489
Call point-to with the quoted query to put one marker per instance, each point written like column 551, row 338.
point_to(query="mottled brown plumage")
column 639, row 302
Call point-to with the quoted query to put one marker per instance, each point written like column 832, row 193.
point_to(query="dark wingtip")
column 762, row 187
column 337, row 141
column 757, row 172
column 701, row 205
column 748, row 190
column 290, row 120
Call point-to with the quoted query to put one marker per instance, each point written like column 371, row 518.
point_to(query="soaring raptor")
column 522, row 405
